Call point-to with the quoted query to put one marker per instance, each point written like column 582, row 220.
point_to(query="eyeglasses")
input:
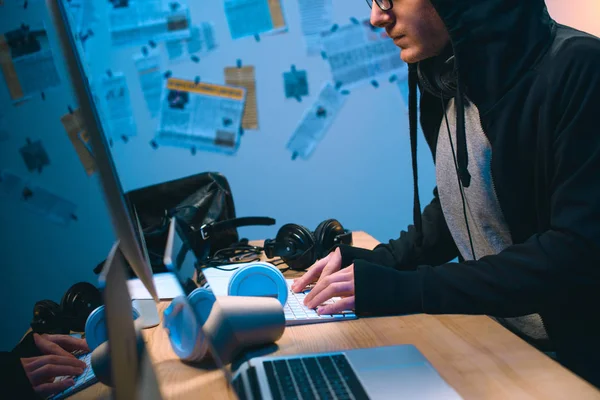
column 385, row 5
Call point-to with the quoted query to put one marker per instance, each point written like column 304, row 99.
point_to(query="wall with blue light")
column 359, row 173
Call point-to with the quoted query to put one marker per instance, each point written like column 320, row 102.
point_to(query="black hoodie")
column 536, row 85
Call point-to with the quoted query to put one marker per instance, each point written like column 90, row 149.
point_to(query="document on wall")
column 27, row 62
column 116, row 102
column 49, row 205
column 19, row 192
column 315, row 122
column 135, row 22
column 151, row 79
column 244, row 77
column 83, row 14
column 254, row 17
column 201, row 115
column 358, row 53
column 79, row 137
column 201, row 42
column 316, row 16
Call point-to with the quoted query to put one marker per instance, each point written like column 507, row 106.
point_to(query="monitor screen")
column 121, row 213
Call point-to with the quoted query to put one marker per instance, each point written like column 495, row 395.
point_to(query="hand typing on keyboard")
column 331, row 282
column 57, row 361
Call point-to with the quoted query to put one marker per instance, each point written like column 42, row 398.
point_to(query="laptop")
column 387, row 372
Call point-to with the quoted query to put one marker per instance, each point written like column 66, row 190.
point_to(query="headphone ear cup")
column 47, row 318
column 78, row 303
column 325, row 235
column 300, row 239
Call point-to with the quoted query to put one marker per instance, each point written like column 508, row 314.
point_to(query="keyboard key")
column 341, row 362
column 254, row 385
column 317, row 378
column 273, row 385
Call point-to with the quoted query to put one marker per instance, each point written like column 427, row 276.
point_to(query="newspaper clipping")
column 135, row 22
column 204, row 116
column 27, row 62
column 357, row 53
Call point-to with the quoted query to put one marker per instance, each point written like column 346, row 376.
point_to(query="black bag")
column 204, row 207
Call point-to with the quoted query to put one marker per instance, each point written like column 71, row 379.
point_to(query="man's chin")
column 410, row 56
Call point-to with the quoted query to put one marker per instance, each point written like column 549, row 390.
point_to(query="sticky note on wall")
column 244, row 76
column 73, row 124
column 253, row 17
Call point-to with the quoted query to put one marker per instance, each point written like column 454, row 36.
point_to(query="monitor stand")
column 132, row 373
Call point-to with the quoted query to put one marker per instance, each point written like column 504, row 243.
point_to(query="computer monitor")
column 119, row 208
column 132, row 375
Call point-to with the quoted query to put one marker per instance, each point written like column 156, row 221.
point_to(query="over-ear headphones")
column 438, row 76
column 299, row 248
column 76, row 305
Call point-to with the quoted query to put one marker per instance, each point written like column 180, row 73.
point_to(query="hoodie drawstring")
column 412, row 116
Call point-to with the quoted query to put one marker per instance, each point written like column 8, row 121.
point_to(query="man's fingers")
column 347, row 303
column 310, row 276
column 42, row 374
column 48, row 347
column 68, row 342
column 335, row 289
column 324, row 282
column 48, row 389
column 38, row 362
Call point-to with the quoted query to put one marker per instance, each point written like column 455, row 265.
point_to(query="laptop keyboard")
column 296, row 313
column 82, row 381
column 318, row 377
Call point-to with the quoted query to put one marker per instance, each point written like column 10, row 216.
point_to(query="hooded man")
column 509, row 101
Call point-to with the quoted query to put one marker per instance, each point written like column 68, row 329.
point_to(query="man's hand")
column 56, row 361
column 319, row 271
column 338, row 284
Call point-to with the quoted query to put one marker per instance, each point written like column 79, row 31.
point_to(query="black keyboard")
column 306, row 378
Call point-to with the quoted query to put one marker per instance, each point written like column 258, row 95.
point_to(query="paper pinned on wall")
column 73, row 124
column 16, row 190
column 54, row 208
column 84, row 15
column 295, row 84
column 244, row 76
column 202, row 41
column 253, row 17
column 315, row 122
column 27, row 62
column 316, row 16
column 357, row 53
column 116, row 101
column 35, row 156
column 200, row 115
column 135, row 22
column 151, row 79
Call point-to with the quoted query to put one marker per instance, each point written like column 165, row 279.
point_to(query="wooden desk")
column 474, row 354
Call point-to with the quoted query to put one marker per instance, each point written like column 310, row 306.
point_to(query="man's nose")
column 380, row 18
